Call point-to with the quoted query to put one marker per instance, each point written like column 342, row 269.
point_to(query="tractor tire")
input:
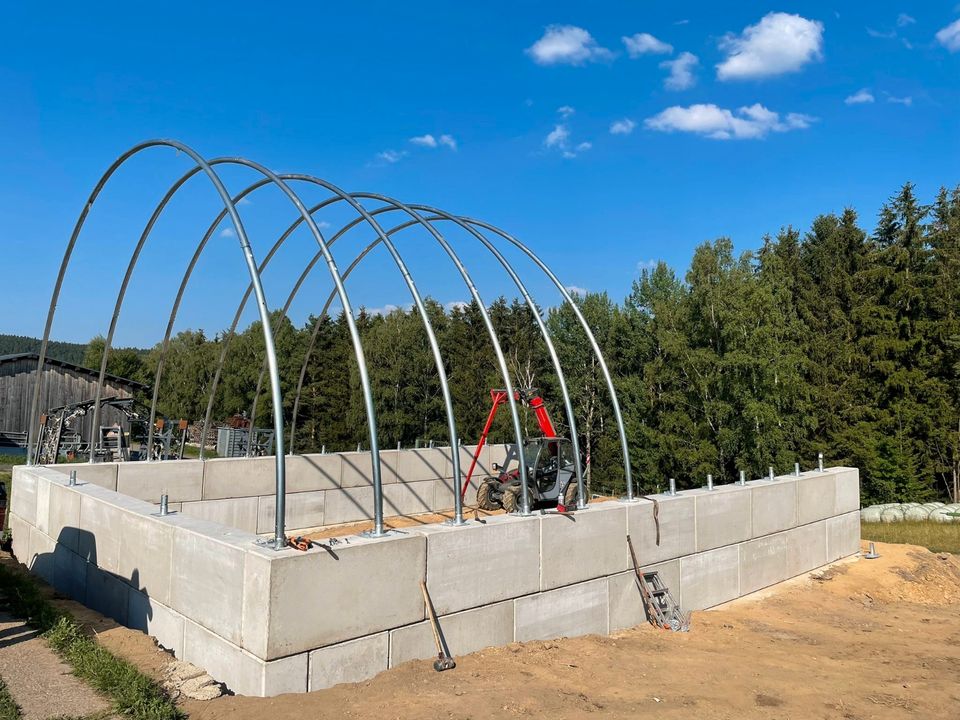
column 485, row 500
column 570, row 495
column 511, row 498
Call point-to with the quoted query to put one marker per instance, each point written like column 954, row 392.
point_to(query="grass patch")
column 133, row 694
column 9, row 710
column 936, row 537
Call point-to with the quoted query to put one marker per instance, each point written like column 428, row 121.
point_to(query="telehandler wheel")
column 511, row 498
column 484, row 493
column 570, row 495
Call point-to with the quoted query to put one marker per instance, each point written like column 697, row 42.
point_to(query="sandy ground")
column 41, row 683
column 865, row 639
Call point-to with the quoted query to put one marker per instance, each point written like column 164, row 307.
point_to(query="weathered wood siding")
column 61, row 386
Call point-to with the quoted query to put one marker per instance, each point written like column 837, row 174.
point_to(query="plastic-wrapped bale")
column 870, row 514
column 892, row 514
column 942, row 514
column 916, row 513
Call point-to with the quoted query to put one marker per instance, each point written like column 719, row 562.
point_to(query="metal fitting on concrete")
column 820, row 461
column 323, row 449
column 164, row 505
column 796, row 469
column 771, row 472
column 743, row 478
column 358, row 447
column 709, row 481
column 673, row 487
column 73, row 478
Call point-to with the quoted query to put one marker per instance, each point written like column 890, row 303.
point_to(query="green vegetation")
column 8, row 706
column 833, row 340
column 936, row 537
column 68, row 352
column 133, row 694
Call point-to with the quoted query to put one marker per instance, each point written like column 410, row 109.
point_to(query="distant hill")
column 68, row 352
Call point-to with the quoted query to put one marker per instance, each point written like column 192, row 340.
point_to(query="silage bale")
column 916, row 513
column 894, row 514
column 870, row 514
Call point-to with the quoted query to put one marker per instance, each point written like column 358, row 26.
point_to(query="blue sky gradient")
column 865, row 97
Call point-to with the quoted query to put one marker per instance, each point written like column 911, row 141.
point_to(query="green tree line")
column 834, row 340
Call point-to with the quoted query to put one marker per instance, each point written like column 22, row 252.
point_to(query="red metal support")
column 498, row 397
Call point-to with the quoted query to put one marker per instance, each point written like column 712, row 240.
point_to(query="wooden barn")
column 63, row 383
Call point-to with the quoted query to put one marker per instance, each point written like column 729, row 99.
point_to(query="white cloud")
column 682, row 22
column 903, row 20
column 557, row 137
column 907, row 100
column 245, row 201
column 584, row 146
column 565, row 111
column 622, row 127
column 650, row 264
column 779, row 43
column 884, row 35
column 860, row 97
column 681, row 71
column 645, row 44
column 323, row 225
column 747, row 123
column 456, row 305
column 424, row 141
column 448, row 141
column 227, row 232
column 391, row 156
column 949, row 36
column 575, row 290
column 567, row 45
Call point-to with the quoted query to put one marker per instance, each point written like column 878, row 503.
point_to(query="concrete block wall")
column 328, row 489
column 267, row 622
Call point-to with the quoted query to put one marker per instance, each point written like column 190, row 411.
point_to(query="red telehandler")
column 551, row 466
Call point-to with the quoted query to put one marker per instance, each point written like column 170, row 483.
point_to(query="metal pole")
column 673, row 487
column 743, row 478
column 820, row 461
column 709, row 482
column 796, row 469
column 73, row 478
column 618, row 417
column 771, row 472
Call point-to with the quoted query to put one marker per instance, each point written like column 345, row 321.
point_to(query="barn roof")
column 16, row 357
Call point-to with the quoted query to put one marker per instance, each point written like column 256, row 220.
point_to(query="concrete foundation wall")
column 267, row 622
column 328, row 489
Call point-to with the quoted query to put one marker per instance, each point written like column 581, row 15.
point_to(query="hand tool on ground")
column 444, row 661
column 662, row 610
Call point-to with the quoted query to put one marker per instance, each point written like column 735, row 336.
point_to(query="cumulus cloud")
column 860, row 97
column 780, row 43
column 746, row 123
column 622, row 127
column 557, row 137
column 565, row 111
column 645, row 44
column 650, row 264
column 430, row 141
column 227, row 233
column 576, row 290
column 908, row 101
column 567, row 45
column 456, row 305
column 903, row 20
column 882, row 34
column 949, row 36
column 448, row 141
column 584, row 146
column 391, row 156
column 680, row 71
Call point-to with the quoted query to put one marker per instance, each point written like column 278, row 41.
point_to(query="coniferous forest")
column 836, row 340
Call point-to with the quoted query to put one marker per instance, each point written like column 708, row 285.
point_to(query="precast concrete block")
column 587, row 544
column 848, row 490
column 240, row 671
column 145, row 554
column 419, row 465
column 206, row 582
column 98, row 540
column 20, row 534
column 248, row 477
column 63, row 515
column 774, row 506
column 374, row 581
column 444, row 495
column 723, row 516
column 43, row 505
column 23, row 494
column 357, row 468
column 408, row 498
column 348, row 505
column 349, row 662
column 566, row 612
column 843, row 536
column 239, row 512
column 677, row 528
column 465, row 632
column 147, row 614
column 312, row 472
column 255, row 617
column 816, row 497
column 42, row 548
column 806, row 548
column 70, row 574
column 303, row 510
column 710, row 578
column 101, row 474
column 107, row 594
column 763, row 562
column 180, row 480
column 626, row 605
column 479, row 564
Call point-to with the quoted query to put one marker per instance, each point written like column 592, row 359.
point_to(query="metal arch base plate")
column 271, row 543
column 373, row 534
column 453, row 522
column 625, row 499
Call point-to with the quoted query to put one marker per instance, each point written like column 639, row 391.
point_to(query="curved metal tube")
column 440, row 215
column 254, row 278
column 624, row 446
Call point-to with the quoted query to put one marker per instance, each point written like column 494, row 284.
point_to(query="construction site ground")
column 861, row 639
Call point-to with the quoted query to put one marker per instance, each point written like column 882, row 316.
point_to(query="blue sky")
column 605, row 135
